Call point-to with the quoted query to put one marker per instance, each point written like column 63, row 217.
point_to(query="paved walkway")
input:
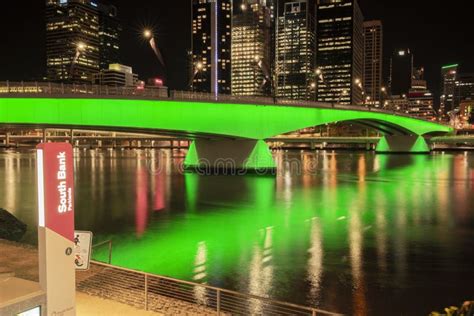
column 23, row 261
column 88, row 305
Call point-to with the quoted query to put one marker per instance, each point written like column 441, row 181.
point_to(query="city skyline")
column 24, row 59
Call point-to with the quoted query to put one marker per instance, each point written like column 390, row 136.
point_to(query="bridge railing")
column 50, row 88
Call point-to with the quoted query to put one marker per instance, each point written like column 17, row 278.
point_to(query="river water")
column 350, row 232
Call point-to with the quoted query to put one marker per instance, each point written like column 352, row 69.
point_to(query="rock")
column 11, row 228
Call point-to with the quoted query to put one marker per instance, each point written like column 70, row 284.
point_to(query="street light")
column 343, row 93
column 358, row 83
column 198, row 67
column 150, row 37
column 147, row 34
column 312, row 87
column 267, row 76
column 80, row 47
column 319, row 77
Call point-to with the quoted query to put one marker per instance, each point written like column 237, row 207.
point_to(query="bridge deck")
column 185, row 113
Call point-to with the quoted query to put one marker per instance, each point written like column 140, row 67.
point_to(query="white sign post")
column 82, row 249
column 55, row 174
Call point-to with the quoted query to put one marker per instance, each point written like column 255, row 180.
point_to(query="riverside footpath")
column 22, row 260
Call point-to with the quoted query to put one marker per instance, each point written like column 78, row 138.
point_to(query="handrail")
column 217, row 300
column 48, row 88
column 109, row 242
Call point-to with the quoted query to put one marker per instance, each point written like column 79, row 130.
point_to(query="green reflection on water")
column 353, row 232
column 278, row 217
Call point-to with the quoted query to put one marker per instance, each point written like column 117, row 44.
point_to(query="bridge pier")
column 229, row 157
column 413, row 144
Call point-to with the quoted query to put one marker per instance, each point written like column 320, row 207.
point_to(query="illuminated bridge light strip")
column 192, row 117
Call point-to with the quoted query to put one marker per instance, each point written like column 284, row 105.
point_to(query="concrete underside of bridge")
column 210, row 156
column 413, row 144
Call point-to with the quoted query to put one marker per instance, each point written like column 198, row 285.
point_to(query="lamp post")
column 383, row 93
column 313, row 86
column 358, row 83
column 80, row 47
column 268, row 76
column 320, row 77
column 343, row 93
column 198, row 67
column 150, row 37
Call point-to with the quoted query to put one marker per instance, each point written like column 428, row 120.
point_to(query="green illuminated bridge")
column 226, row 131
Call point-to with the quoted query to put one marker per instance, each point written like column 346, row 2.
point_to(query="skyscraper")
column 72, row 40
column 340, row 51
column 464, row 96
column 211, row 45
column 251, row 40
column 449, row 75
column 401, row 72
column 109, row 36
column 420, row 99
column 295, row 47
column 464, row 87
column 373, row 43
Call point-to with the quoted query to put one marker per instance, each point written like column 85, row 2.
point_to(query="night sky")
column 437, row 32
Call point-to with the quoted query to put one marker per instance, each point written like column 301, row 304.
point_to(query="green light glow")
column 450, row 66
column 220, row 119
column 261, row 157
column 420, row 146
column 234, row 230
column 383, row 146
column 406, row 144
column 192, row 157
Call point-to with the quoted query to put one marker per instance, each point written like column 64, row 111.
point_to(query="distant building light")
column 401, row 53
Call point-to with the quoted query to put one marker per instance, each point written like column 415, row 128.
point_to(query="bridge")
column 224, row 129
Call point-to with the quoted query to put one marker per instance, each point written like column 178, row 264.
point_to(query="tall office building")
column 340, row 51
column 464, row 96
column 251, row 39
column 401, row 72
column 109, row 36
column 418, row 78
column 420, row 99
column 211, row 45
column 449, row 75
column 72, row 40
column 464, row 87
column 295, row 43
column 373, row 50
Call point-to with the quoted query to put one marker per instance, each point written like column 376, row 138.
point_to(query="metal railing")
column 164, row 294
column 91, row 90
column 106, row 242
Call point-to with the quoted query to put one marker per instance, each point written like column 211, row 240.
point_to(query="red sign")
column 55, row 168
